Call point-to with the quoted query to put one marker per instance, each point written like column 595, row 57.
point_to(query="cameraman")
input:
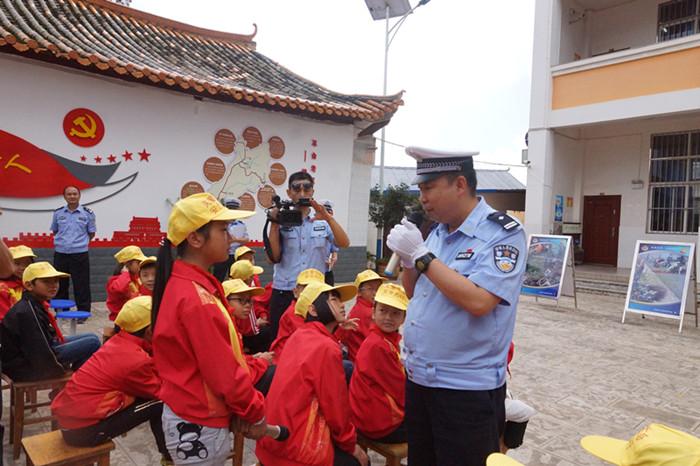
column 293, row 249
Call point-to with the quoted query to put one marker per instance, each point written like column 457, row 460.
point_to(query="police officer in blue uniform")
column 464, row 281
column 238, row 231
column 73, row 226
column 293, row 249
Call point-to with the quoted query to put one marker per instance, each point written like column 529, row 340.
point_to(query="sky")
column 466, row 87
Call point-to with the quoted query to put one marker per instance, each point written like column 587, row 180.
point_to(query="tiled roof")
column 487, row 180
column 105, row 38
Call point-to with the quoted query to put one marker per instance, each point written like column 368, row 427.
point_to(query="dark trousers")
column 78, row 266
column 258, row 343
column 398, row 435
column 222, row 269
column 279, row 302
column 453, row 427
column 123, row 421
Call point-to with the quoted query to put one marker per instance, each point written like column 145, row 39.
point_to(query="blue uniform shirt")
column 444, row 345
column 237, row 229
column 72, row 229
column 303, row 247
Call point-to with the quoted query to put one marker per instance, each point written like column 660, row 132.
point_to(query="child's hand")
column 262, row 322
column 351, row 324
column 269, row 356
column 360, row 456
column 256, row 432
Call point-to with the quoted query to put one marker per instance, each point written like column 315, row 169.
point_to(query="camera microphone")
column 417, row 219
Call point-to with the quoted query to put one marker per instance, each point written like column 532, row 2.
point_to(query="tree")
column 387, row 209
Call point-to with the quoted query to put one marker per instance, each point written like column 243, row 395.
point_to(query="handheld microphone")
column 417, row 219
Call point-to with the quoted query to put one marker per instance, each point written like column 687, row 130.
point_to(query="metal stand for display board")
column 568, row 277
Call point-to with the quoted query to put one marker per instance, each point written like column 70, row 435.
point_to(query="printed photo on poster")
column 558, row 208
column 659, row 279
column 546, row 263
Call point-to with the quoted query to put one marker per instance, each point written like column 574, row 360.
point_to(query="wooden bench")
column 51, row 450
column 18, row 405
column 392, row 452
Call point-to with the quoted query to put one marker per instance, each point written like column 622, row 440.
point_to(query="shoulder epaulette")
column 56, row 210
column 506, row 221
column 88, row 210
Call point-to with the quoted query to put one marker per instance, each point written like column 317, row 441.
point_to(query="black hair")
column 323, row 309
column 296, row 176
column 148, row 266
column 164, row 269
column 141, row 333
column 469, row 176
column 71, row 186
column 117, row 269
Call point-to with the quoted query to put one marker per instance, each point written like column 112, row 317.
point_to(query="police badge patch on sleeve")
column 506, row 257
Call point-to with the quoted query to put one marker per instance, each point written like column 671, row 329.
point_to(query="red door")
column 601, row 229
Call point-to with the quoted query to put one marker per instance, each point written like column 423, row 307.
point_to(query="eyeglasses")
column 243, row 301
column 297, row 187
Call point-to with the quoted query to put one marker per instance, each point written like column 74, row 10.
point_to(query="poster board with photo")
column 548, row 258
column 660, row 280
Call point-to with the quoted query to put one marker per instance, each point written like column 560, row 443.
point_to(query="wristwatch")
column 424, row 261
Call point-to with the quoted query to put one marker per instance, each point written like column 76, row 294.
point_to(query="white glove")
column 406, row 240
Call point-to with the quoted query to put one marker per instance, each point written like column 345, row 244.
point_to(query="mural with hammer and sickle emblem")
column 83, row 127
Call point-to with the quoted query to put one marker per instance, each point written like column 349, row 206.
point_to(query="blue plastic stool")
column 60, row 305
column 73, row 316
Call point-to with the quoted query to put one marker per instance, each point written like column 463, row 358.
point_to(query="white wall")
column 631, row 24
column 568, row 172
column 573, row 33
column 179, row 133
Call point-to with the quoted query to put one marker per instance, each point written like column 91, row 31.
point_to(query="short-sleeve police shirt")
column 237, row 229
column 446, row 346
column 72, row 229
column 303, row 247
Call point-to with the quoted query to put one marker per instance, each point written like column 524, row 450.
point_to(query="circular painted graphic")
column 276, row 147
column 83, row 127
column 214, row 169
column 247, row 202
column 224, row 141
column 252, row 137
column 265, row 195
column 190, row 188
column 278, row 174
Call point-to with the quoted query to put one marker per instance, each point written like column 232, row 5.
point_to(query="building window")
column 674, row 183
column 678, row 18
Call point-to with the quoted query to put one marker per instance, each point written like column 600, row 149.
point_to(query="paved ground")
column 582, row 370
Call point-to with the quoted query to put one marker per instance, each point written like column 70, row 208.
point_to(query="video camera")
column 288, row 214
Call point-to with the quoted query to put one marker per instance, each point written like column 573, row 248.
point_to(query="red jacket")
column 198, row 354
column 309, row 396
column 10, row 292
column 261, row 304
column 120, row 289
column 353, row 338
column 378, row 385
column 289, row 323
column 108, row 382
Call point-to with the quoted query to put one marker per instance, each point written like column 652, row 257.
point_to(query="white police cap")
column 432, row 163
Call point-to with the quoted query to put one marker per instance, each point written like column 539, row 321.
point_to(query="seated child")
column 124, row 284
column 367, row 283
column 309, row 394
column 147, row 275
column 33, row 347
column 240, row 299
column 290, row 320
column 117, row 388
column 378, row 385
column 11, row 288
column 255, row 329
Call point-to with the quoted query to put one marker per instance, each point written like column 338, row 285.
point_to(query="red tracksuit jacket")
column 353, row 338
column 108, row 382
column 378, row 385
column 310, row 397
column 120, row 289
column 198, row 354
column 10, row 292
column 289, row 323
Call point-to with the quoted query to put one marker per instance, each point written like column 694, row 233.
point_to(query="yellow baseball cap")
column 314, row 289
column 129, row 253
column 655, row 444
column 310, row 275
column 135, row 314
column 499, row 459
column 244, row 270
column 238, row 286
column 41, row 270
column 195, row 211
column 392, row 295
column 21, row 251
column 242, row 250
column 148, row 260
column 367, row 276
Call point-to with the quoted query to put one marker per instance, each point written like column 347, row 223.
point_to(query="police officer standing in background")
column 464, row 283
column 73, row 227
column 238, row 231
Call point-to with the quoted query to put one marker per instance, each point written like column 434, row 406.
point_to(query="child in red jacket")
column 124, row 284
column 117, row 388
column 147, row 275
column 11, row 288
column 206, row 380
column 377, row 387
column 309, row 393
column 367, row 283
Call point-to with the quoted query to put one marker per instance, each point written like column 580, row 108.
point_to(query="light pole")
column 384, row 10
